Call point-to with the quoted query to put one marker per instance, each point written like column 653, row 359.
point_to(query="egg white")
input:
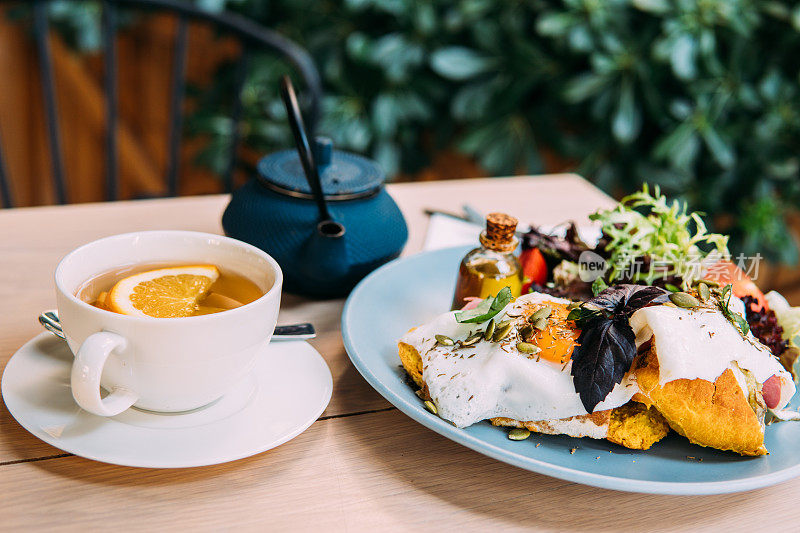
column 494, row 379
column 491, row 380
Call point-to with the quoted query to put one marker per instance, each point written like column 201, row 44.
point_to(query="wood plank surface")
column 364, row 465
column 373, row 472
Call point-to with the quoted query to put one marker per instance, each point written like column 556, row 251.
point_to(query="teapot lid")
column 344, row 176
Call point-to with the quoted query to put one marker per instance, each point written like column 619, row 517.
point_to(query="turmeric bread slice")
column 717, row 415
column 633, row 425
column 636, row 426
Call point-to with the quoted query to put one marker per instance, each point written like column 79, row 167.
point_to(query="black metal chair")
column 252, row 37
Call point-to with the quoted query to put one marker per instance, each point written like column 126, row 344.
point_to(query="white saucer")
column 288, row 389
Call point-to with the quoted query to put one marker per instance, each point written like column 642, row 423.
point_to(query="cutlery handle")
column 87, row 369
column 294, row 332
column 291, row 332
column 49, row 320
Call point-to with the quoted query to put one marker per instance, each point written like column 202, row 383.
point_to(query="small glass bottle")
column 485, row 270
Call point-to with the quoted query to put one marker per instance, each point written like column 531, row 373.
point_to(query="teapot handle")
column 303, row 148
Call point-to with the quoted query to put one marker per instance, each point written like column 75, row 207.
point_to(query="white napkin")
column 446, row 232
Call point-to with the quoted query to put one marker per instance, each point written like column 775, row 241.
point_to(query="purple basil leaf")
column 603, row 355
column 607, row 344
column 642, row 297
column 626, row 299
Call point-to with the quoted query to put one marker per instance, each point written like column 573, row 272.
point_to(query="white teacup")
column 163, row 364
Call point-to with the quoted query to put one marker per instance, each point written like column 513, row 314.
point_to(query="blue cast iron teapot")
column 323, row 215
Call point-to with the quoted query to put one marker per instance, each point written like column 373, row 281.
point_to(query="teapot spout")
column 325, row 255
column 330, row 229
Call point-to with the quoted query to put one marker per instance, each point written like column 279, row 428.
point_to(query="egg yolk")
column 559, row 338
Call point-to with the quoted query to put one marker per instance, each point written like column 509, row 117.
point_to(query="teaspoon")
column 292, row 332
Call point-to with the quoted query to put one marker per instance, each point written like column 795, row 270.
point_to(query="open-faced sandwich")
column 629, row 361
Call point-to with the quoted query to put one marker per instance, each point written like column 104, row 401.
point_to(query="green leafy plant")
column 699, row 97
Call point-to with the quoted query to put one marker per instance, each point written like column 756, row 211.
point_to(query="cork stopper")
column 499, row 234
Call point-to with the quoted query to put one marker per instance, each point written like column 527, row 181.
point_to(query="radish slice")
column 472, row 302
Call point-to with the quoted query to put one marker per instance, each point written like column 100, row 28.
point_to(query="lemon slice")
column 162, row 293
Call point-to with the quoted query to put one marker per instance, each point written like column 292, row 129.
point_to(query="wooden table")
column 363, row 464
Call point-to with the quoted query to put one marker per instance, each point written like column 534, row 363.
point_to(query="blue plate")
column 410, row 291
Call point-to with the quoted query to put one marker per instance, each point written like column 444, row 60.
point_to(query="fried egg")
column 558, row 339
column 494, row 379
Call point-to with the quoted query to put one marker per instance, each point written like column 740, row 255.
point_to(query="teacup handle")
column 87, row 369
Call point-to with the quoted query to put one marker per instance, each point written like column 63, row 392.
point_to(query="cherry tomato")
column 534, row 268
column 726, row 272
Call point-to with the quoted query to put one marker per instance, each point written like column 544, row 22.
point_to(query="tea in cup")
column 168, row 290
column 140, row 357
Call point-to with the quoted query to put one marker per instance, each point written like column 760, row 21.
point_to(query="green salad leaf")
column 598, row 286
column 737, row 319
column 663, row 236
column 487, row 309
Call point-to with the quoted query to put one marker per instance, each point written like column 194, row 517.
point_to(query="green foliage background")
column 698, row 96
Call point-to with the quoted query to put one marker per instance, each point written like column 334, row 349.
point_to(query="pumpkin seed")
column 683, row 299
column 703, row 291
column 526, row 332
column 573, row 305
column 472, row 339
column 487, row 335
column 543, row 312
column 540, row 324
column 526, row 347
column 519, row 434
column 444, row 340
column 709, row 282
column 431, row 407
column 502, row 331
